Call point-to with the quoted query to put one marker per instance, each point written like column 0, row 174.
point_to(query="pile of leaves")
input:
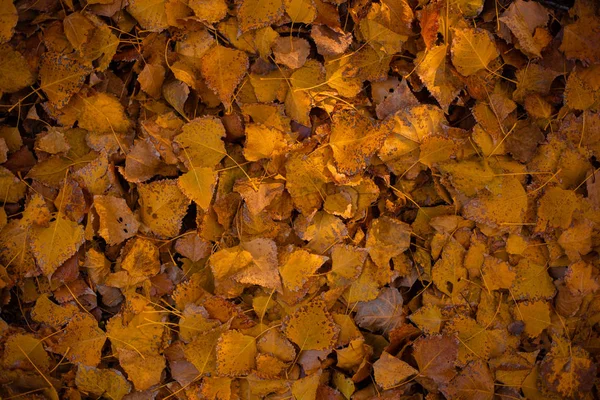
column 299, row 199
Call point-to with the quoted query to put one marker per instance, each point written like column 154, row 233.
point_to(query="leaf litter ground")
column 299, row 199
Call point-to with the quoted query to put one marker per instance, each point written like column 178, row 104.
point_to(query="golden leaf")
column 117, row 222
column 497, row 274
column 81, row 342
column 387, row 238
column 472, row 50
column 108, row 383
column 14, row 70
column 209, row 11
column 163, row 207
column 55, row 244
column 198, row 184
column 532, row 281
column 299, row 267
column 311, row 327
column 141, row 258
column 263, row 142
column 428, row 318
column 11, row 186
column 8, row 20
column 151, row 14
column 535, row 315
column 25, row 352
column 201, row 142
column 436, row 74
column 104, row 114
column 567, row 370
column 347, row 264
column 306, row 388
column 235, row 354
column 390, row 371
column 259, row 13
column 55, row 315
column 61, row 76
column 223, row 68
column 354, row 140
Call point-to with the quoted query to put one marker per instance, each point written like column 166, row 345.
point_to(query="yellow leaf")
column 151, row 14
column 103, row 113
column 102, row 45
column 387, row 238
column 81, row 341
column 235, row 354
column 535, row 315
column 117, row 222
column 198, row 184
column 449, row 273
column 229, row 261
column 580, row 279
column 216, row 388
column 311, row 327
column 504, row 206
column 108, row 383
column 61, row 76
column 14, row 70
column 139, row 329
column 567, row 370
column 306, row 388
column 390, row 371
column 354, row 139
column 367, row 286
column 472, row 50
column 352, row 356
column 347, row 264
column 15, row 250
column 208, row 10
column 144, row 371
column 54, row 245
column 55, row 315
column 436, row 74
column 428, row 318
column 263, row 271
column 194, row 322
column 321, row 232
column 556, row 208
column 8, row 20
column 201, row 142
column 78, row 29
column 11, row 187
column 141, row 258
column 223, row 68
column 301, row 11
column 306, row 179
column 264, row 39
column 254, row 14
column 532, row 281
column 21, row 350
column 263, row 142
column 201, row 351
column 162, row 207
column 299, row 268
column 497, row 274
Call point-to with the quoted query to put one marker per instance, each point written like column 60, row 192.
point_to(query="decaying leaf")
column 299, row 199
